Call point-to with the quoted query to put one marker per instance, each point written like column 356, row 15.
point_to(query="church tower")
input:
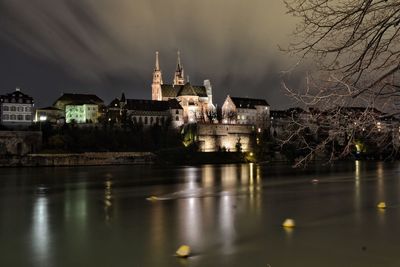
column 179, row 77
column 157, row 82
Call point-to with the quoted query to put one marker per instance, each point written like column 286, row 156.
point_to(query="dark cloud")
column 107, row 46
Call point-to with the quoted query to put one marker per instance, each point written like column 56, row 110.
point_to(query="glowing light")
column 42, row 118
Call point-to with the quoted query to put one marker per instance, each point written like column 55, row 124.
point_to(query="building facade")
column 16, row 109
column 239, row 110
column 80, row 108
column 82, row 113
column 196, row 100
column 146, row 112
column 224, row 137
column 50, row 114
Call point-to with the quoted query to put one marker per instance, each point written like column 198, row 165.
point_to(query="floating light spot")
column 382, row 205
column 183, row 251
column 289, row 223
column 152, row 198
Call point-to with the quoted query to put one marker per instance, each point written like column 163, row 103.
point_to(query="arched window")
column 157, row 120
column 145, row 120
column 151, row 120
column 6, row 108
column 13, row 108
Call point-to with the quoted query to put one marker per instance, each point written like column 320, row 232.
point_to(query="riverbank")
column 170, row 157
column 79, row 159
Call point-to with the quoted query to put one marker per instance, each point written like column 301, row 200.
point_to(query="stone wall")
column 19, row 142
column 214, row 137
column 79, row 159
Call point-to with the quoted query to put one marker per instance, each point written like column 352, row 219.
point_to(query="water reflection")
column 380, row 192
column 229, row 214
column 357, row 187
column 213, row 198
column 226, row 223
column 380, row 181
column 40, row 229
column 107, row 200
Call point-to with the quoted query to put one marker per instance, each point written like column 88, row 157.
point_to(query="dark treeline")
column 107, row 137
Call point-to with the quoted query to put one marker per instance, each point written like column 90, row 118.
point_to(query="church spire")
column 157, row 63
column 179, row 77
column 178, row 62
column 157, row 81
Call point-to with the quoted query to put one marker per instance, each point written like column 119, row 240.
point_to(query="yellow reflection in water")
column 357, row 194
column 381, row 184
column 107, row 200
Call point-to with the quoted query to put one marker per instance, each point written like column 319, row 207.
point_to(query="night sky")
column 48, row 47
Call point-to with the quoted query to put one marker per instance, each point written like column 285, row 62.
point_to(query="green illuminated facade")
column 85, row 113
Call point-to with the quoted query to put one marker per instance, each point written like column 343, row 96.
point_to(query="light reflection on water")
column 228, row 214
column 40, row 230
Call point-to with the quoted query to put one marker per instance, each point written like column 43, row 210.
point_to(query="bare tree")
column 357, row 40
column 354, row 46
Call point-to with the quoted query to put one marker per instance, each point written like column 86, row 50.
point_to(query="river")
column 230, row 215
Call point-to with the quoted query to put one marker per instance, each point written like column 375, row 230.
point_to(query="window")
column 145, row 120
column 157, row 120
column 6, row 108
column 6, row 117
column 20, row 117
column 177, row 118
column 177, row 112
column 27, row 117
column 20, row 100
column 13, row 108
column 20, row 109
column 13, row 117
column 151, row 120
column 27, row 109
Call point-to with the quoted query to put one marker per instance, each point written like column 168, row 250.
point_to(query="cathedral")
column 196, row 100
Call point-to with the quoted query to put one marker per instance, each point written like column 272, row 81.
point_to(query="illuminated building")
column 196, row 100
column 146, row 112
column 50, row 114
column 240, row 110
column 81, row 113
column 16, row 109
column 80, row 108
